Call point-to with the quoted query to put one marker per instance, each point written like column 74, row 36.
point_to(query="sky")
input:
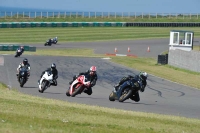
column 145, row 6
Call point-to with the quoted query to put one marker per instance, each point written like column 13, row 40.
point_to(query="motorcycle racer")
column 54, row 72
column 139, row 82
column 24, row 64
column 92, row 77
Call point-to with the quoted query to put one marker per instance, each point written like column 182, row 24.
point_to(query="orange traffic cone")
column 115, row 50
column 129, row 49
column 148, row 49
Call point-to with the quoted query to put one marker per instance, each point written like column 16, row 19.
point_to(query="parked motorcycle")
column 18, row 53
column 23, row 75
column 124, row 92
column 45, row 81
column 78, row 86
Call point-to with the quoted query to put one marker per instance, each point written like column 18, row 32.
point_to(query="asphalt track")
column 161, row 96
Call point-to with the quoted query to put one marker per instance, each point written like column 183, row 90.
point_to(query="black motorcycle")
column 23, row 76
column 48, row 43
column 123, row 92
column 18, row 53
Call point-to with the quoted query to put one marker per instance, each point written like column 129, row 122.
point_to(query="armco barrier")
column 163, row 24
column 97, row 24
column 14, row 48
column 60, row 24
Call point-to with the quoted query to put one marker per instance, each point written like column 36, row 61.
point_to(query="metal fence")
column 135, row 15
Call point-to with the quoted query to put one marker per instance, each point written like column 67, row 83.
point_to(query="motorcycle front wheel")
column 22, row 82
column 77, row 90
column 126, row 93
column 44, row 86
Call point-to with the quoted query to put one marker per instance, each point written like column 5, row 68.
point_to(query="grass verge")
column 40, row 35
column 23, row 113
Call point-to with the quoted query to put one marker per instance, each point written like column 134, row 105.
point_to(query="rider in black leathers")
column 139, row 82
column 54, row 72
column 92, row 75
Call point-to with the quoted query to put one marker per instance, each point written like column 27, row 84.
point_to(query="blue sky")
column 146, row 6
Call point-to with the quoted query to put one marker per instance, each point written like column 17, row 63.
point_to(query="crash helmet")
column 22, row 47
column 143, row 76
column 53, row 66
column 93, row 70
column 25, row 61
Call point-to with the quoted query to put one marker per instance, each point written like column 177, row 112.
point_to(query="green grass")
column 23, row 113
column 40, row 35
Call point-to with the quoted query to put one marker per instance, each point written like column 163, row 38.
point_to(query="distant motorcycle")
column 55, row 40
column 48, row 43
column 124, row 92
column 18, row 53
column 23, row 76
column 45, row 81
column 78, row 86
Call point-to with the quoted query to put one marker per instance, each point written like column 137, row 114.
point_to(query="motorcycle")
column 18, row 53
column 23, row 75
column 78, row 86
column 124, row 92
column 45, row 81
column 48, row 43
column 55, row 40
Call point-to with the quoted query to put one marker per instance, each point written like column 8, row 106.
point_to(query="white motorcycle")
column 45, row 81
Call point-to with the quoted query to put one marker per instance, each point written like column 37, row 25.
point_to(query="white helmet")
column 143, row 75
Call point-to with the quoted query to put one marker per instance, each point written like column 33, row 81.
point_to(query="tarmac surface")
column 160, row 96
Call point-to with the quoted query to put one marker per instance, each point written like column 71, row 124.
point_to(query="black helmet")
column 53, row 66
column 143, row 76
column 25, row 61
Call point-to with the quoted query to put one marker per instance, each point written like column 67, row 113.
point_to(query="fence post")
column 142, row 15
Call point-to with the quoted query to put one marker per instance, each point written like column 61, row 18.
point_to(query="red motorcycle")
column 78, row 86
